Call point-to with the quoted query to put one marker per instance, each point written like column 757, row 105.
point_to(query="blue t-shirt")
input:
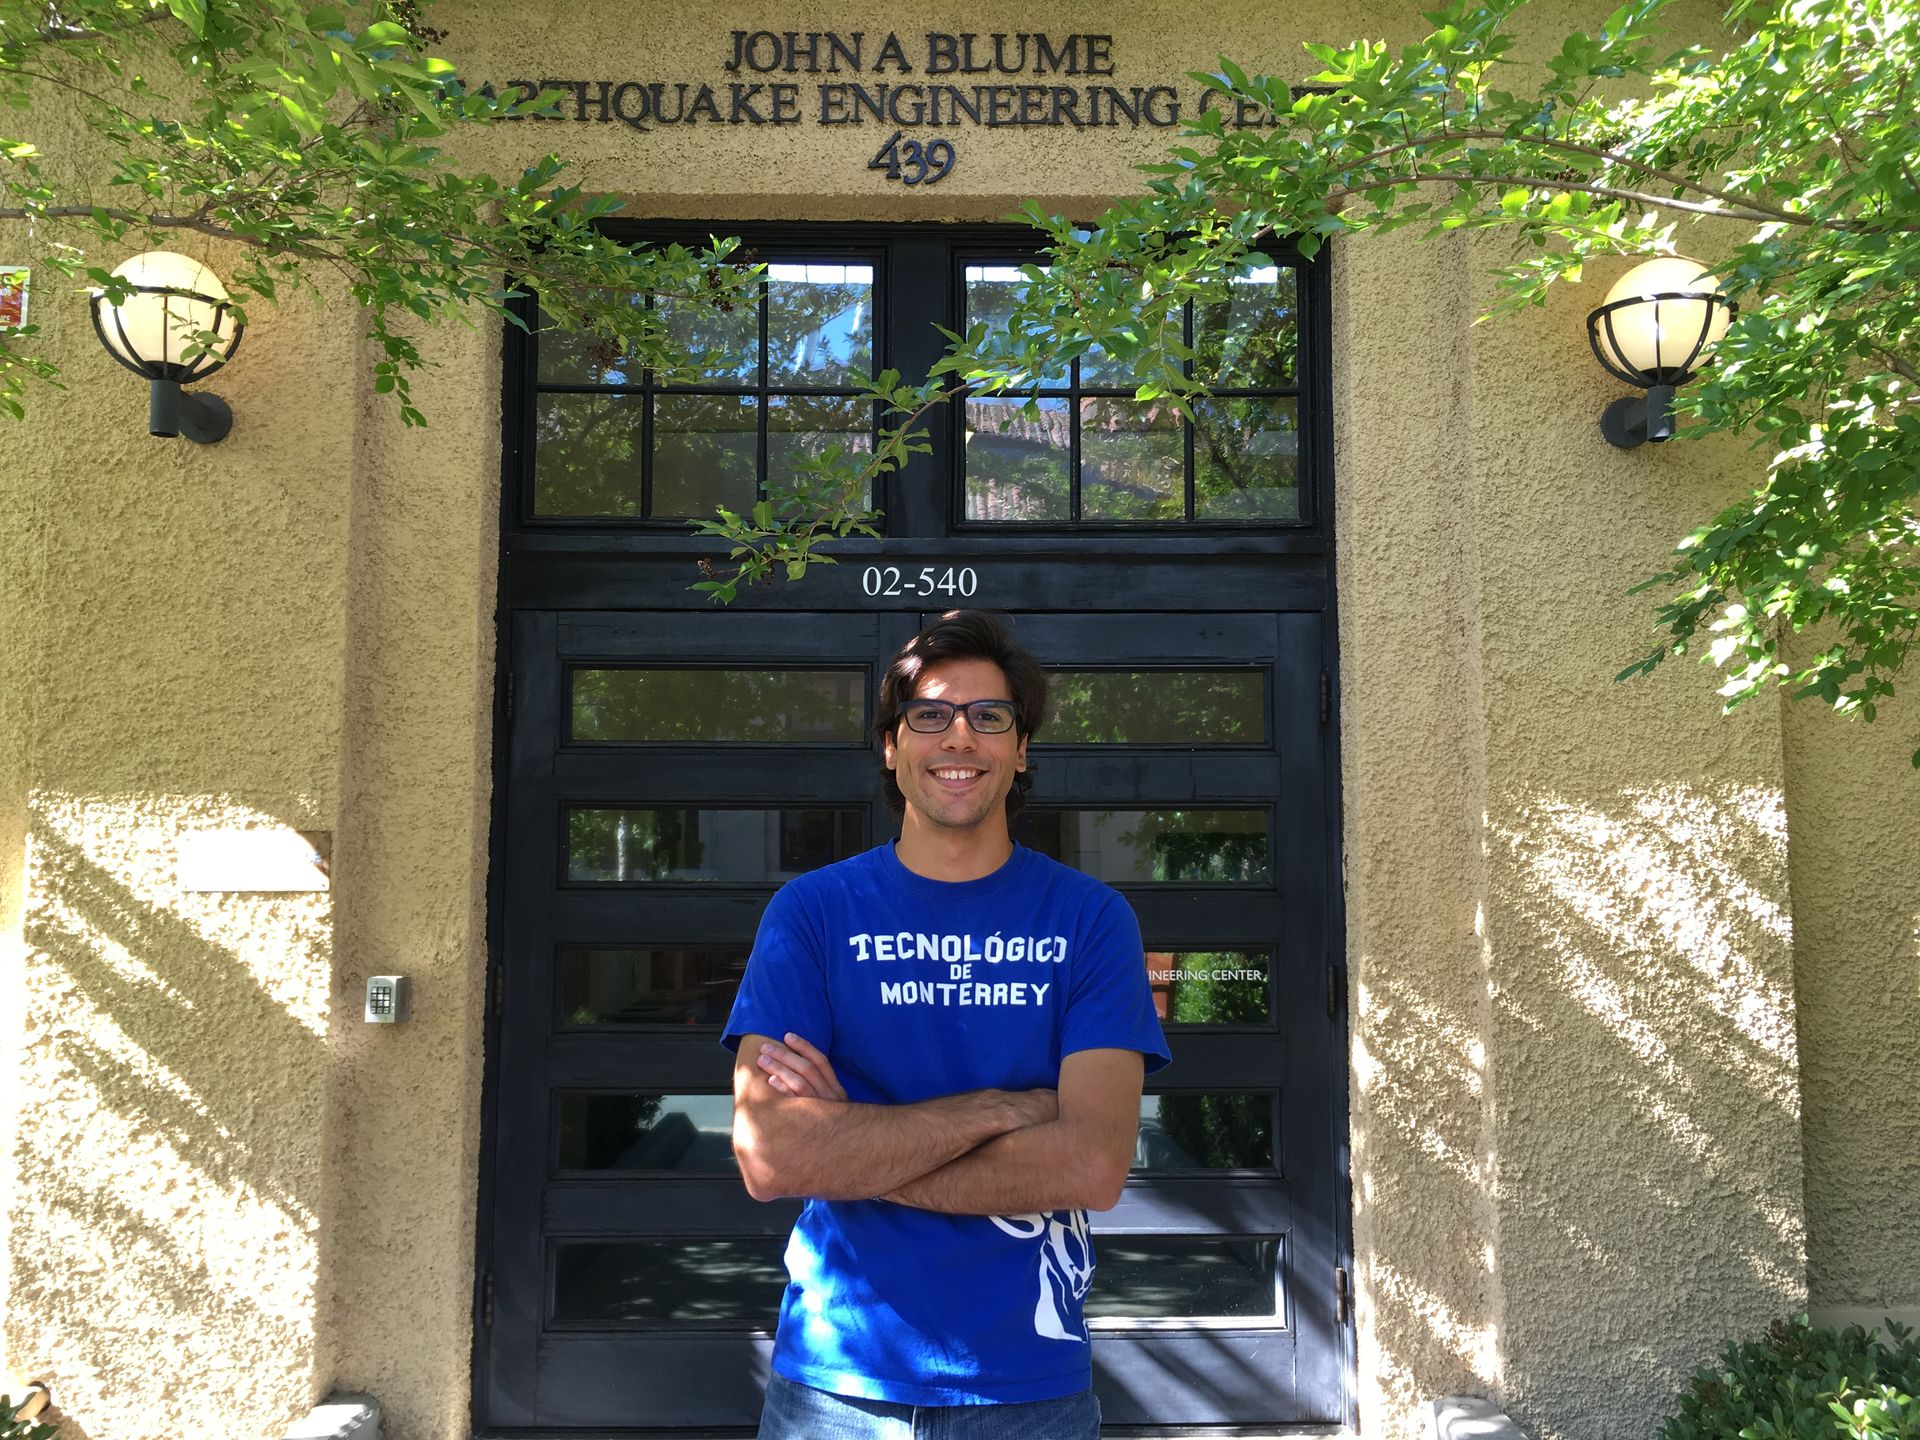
column 917, row 988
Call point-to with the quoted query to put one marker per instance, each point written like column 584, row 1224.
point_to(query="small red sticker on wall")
column 13, row 297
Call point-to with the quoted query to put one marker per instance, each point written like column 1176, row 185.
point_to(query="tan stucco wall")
column 404, row 1122
column 1575, row 1093
column 1855, row 806
column 1575, row 1090
column 177, row 666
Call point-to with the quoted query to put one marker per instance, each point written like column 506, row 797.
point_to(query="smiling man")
column 940, row 1045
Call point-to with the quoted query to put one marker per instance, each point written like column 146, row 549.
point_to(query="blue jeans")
column 799, row 1412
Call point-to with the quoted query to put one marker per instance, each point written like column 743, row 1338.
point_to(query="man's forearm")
column 1053, row 1166
column 832, row 1150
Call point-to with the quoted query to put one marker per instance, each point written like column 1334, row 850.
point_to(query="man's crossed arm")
column 986, row 1152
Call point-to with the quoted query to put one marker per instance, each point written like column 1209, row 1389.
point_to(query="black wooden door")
column 666, row 766
column 632, row 1277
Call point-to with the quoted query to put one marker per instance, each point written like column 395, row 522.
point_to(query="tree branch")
column 61, row 34
column 1611, row 157
column 168, row 222
column 1899, row 366
column 1615, row 192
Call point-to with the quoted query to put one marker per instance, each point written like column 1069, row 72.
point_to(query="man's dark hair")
column 963, row 635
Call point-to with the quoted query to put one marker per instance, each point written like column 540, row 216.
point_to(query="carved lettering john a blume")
column 797, row 52
column 828, row 52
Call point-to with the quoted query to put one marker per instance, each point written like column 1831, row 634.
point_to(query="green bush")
column 1802, row 1383
column 12, row 1429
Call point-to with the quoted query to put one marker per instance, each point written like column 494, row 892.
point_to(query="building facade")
column 1534, row 1034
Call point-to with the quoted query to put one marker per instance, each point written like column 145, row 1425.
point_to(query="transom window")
column 1080, row 448
column 611, row 442
column 603, row 443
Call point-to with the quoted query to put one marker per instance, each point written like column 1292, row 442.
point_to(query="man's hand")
column 800, row 1068
column 1078, row 1161
column 798, row 1134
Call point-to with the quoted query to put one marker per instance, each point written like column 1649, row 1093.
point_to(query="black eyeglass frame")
column 950, row 708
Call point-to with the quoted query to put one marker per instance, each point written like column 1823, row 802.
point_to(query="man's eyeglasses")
column 984, row 717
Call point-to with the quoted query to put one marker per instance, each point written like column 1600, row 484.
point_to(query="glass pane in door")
column 627, row 847
column 690, row 705
column 700, row 1284
column 1156, row 707
column 1146, row 846
column 1186, row 1277
column 649, row 985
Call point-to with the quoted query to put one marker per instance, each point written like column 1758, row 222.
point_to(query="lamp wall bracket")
column 203, row 419
column 1629, row 423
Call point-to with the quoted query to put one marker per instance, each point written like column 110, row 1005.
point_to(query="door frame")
column 606, row 568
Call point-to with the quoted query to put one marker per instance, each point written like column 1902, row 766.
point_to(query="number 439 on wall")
column 912, row 163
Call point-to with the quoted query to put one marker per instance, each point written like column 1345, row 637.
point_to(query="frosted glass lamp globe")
column 1658, row 320
column 176, row 300
column 177, row 304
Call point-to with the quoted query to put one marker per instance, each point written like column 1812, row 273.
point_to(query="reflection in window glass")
column 1211, row 987
column 1205, row 1132
column 587, row 454
column 1143, row 846
column 736, row 1283
column 569, row 357
column 1248, row 340
column 623, row 847
column 1132, row 461
column 804, row 427
column 1101, row 371
column 992, row 292
column 705, row 453
column 649, row 986
column 1246, row 459
column 1138, row 461
column 1016, row 463
column 810, row 324
column 819, row 323
column 724, row 345
column 1185, row 1277
column 1156, row 707
column 647, row 1132
column 707, row 706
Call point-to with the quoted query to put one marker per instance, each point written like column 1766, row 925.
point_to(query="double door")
column 665, row 771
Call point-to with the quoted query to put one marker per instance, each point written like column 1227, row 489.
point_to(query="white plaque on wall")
column 260, row 858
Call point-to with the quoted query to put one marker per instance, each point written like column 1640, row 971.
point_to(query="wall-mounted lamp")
column 175, row 301
column 1656, row 323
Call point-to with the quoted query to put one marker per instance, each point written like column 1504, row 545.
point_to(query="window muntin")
column 1079, row 449
column 776, row 388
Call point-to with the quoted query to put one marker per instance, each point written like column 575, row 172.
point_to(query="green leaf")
column 190, row 13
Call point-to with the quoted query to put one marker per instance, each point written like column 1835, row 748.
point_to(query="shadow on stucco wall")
column 1426, row 1314
column 1638, row 1170
column 164, row 1239
column 1649, row 1168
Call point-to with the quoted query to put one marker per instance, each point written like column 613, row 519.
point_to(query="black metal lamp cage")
column 1628, row 422
column 172, row 411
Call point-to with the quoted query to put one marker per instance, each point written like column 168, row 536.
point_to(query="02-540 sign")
column 929, row 580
